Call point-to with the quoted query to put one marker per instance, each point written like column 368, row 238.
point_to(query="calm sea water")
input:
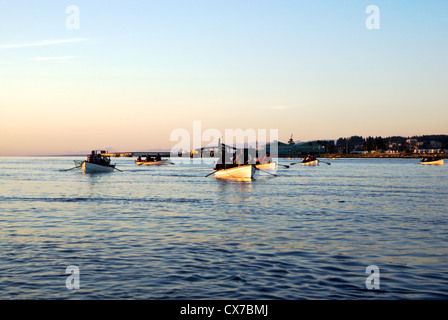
column 168, row 232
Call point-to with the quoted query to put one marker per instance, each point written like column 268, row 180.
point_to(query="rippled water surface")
column 168, row 232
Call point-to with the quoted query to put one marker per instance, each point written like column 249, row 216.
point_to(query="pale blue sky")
column 141, row 69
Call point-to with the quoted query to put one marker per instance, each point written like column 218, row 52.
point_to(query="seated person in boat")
column 139, row 159
column 158, row 157
column 92, row 157
column 226, row 161
column 104, row 161
column 149, row 158
column 310, row 158
column 429, row 159
column 221, row 166
column 265, row 159
column 250, row 159
column 240, row 158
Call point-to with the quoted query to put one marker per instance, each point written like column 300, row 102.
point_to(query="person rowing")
column 265, row 159
column 310, row 158
column 92, row 157
column 240, row 158
column 97, row 158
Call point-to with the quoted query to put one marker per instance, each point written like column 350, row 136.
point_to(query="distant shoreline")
column 323, row 155
column 42, row 155
column 384, row 155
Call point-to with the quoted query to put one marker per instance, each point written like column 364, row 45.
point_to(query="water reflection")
column 234, row 191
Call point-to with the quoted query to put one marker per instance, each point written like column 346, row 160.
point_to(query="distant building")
column 435, row 144
column 428, row 150
column 414, row 144
column 394, row 146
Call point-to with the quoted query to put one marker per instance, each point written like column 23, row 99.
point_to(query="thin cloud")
column 54, row 58
column 284, row 107
column 277, row 107
column 41, row 43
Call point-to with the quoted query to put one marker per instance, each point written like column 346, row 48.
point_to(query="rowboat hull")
column 268, row 167
column 88, row 167
column 435, row 162
column 311, row 163
column 152, row 163
column 243, row 173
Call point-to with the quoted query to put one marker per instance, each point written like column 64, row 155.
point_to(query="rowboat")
column 89, row 167
column 242, row 173
column 310, row 162
column 95, row 162
column 434, row 161
column 152, row 163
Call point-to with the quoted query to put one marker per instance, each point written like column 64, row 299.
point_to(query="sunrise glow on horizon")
column 124, row 75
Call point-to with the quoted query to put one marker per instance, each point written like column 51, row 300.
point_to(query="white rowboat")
column 96, row 162
column 244, row 173
column 152, row 163
column 93, row 167
column 311, row 163
column 433, row 162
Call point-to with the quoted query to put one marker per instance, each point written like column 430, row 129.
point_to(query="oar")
column 80, row 166
column 211, row 173
column 325, row 162
column 282, row 165
column 70, row 168
column 118, row 169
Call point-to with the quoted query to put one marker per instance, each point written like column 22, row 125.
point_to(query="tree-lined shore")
column 383, row 155
column 393, row 147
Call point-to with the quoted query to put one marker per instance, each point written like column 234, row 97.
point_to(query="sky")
column 124, row 75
